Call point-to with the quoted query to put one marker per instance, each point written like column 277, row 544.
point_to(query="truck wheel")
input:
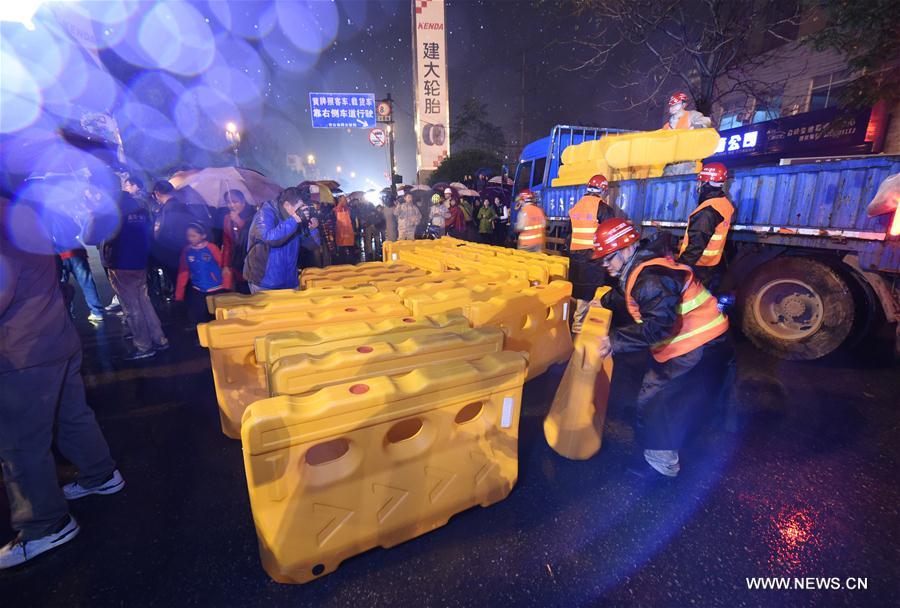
column 426, row 134
column 797, row 308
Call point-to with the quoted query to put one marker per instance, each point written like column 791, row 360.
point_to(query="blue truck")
column 810, row 270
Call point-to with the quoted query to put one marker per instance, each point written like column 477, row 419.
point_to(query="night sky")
column 185, row 69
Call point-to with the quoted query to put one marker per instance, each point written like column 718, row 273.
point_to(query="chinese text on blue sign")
column 342, row 110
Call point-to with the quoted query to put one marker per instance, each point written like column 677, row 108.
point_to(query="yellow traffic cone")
column 574, row 425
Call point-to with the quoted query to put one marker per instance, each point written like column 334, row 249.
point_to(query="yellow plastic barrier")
column 660, row 147
column 270, row 347
column 378, row 462
column 422, row 259
column 574, row 425
column 450, row 299
column 341, row 270
column 365, row 279
column 536, row 321
column 390, row 249
column 344, row 279
column 282, row 305
column 237, row 377
column 634, row 155
column 228, row 300
column 372, row 357
column 455, row 278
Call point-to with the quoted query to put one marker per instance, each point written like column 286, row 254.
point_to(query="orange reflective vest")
column 712, row 255
column 684, row 121
column 343, row 227
column 584, row 222
column 533, row 232
column 699, row 318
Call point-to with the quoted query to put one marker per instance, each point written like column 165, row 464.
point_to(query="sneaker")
column 114, row 306
column 95, row 316
column 19, row 551
column 140, row 354
column 161, row 347
column 114, row 484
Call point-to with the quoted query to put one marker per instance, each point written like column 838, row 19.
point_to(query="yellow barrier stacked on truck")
column 634, row 155
column 380, row 461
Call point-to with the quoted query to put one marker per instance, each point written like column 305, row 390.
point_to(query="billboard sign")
column 817, row 133
column 432, row 100
column 342, row 110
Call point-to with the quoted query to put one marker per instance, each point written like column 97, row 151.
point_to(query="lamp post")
column 234, row 139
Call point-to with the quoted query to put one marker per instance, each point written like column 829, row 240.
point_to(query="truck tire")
column 796, row 308
column 426, row 134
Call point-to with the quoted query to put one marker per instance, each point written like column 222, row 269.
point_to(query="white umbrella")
column 418, row 187
column 467, row 192
column 458, row 185
column 211, row 184
column 501, row 180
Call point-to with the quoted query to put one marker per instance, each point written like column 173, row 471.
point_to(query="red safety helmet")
column 614, row 234
column 713, row 172
column 598, row 185
column 526, row 196
column 678, row 97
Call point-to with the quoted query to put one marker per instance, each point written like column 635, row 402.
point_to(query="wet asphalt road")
column 802, row 483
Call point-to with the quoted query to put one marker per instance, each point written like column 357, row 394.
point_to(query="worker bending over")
column 707, row 228
column 679, row 322
column 530, row 222
column 586, row 275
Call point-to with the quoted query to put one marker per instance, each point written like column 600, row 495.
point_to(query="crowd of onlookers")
column 154, row 245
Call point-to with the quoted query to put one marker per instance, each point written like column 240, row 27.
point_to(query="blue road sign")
column 342, row 110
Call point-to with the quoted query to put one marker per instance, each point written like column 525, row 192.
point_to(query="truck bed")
column 817, row 205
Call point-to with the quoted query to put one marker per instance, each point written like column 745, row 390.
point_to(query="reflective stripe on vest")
column 712, row 255
column 533, row 232
column 583, row 217
column 698, row 317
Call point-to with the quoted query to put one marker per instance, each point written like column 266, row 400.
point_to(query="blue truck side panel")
column 818, row 196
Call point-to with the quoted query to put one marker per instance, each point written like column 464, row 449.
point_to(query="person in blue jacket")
column 273, row 245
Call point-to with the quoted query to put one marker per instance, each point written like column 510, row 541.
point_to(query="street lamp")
column 338, row 168
column 310, row 159
column 234, row 139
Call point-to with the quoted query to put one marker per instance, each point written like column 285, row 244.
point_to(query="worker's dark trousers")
column 710, row 277
column 674, row 395
column 31, row 401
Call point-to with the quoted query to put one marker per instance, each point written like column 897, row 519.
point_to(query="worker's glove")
column 604, row 347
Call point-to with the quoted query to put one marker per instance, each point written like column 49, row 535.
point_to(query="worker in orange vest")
column 680, row 323
column 530, row 222
column 585, row 275
column 345, row 236
column 707, row 228
column 682, row 118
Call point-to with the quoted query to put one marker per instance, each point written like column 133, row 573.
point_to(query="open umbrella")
column 439, row 187
column 467, row 192
column 501, row 180
column 458, row 185
column 418, row 187
column 211, row 184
